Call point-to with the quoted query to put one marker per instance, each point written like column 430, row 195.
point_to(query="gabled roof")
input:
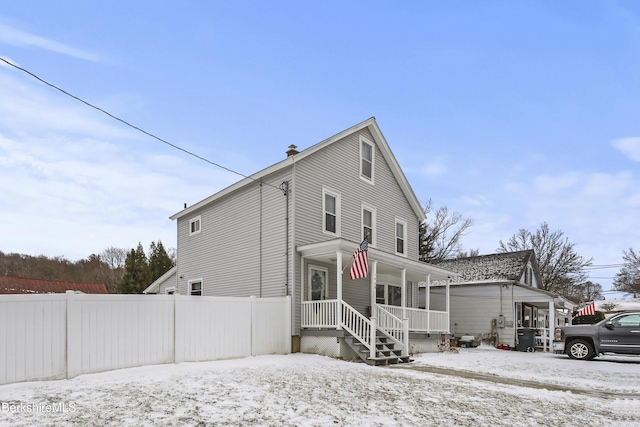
column 494, row 267
column 155, row 286
column 379, row 140
column 21, row 285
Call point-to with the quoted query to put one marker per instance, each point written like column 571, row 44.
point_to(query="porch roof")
column 416, row 271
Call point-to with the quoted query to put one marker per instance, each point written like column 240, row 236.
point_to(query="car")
column 619, row 334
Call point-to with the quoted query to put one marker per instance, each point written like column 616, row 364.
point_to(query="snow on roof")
column 501, row 266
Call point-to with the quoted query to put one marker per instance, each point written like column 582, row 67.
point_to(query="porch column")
column 427, row 301
column 552, row 324
column 339, row 288
column 403, row 292
column 448, row 306
column 373, row 271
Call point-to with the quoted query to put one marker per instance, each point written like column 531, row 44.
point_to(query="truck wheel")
column 581, row 350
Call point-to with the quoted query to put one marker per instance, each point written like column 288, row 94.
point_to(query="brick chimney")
column 292, row 150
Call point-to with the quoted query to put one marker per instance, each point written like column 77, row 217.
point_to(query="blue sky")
column 511, row 113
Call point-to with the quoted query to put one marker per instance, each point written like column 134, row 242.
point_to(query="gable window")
column 401, row 239
column 368, row 223
column 195, row 287
column 367, row 159
column 194, row 225
column 528, row 276
column 170, row 291
column 331, row 212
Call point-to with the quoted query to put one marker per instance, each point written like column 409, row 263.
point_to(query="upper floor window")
column 367, row 159
column 401, row 237
column 194, row 225
column 195, row 287
column 331, row 212
column 368, row 224
column 528, row 276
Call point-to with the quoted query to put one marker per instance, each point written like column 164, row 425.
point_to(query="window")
column 318, row 283
column 331, row 212
column 366, row 159
column 368, row 223
column 194, row 225
column 401, row 231
column 631, row 320
column 389, row 294
column 170, row 291
column 195, row 287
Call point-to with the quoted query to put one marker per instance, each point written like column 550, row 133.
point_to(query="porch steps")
column 386, row 352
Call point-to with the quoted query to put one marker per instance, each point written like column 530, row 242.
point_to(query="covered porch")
column 382, row 306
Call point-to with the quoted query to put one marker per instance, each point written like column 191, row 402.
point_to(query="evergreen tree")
column 136, row 272
column 159, row 261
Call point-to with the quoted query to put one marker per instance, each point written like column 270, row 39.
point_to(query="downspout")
column 285, row 189
column 260, row 238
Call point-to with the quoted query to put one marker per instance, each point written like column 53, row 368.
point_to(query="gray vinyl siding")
column 170, row 282
column 473, row 308
column 241, row 248
column 337, row 167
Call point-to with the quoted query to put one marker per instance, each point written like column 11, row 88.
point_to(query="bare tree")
column 627, row 280
column 113, row 258
column 440, row 234
column 560, row 265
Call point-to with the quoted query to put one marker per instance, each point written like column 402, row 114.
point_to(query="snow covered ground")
column 482, row 386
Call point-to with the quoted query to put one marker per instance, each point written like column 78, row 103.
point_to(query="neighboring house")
column 497, row 297
column 292, row 228
column 21, row 285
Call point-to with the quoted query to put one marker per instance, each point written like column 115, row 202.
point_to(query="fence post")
column 288, row 320
column 73, row 333
column 252, row 301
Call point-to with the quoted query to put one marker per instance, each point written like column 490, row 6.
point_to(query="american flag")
column 589, row 310
column 360, row 266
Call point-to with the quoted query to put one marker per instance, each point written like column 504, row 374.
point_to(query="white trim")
column 374, row 231
column 191, row 283
column 195, row 221
column 404, row 237
column 324, row 293
column 170, row 290
column 371, row 179
column 336, row 195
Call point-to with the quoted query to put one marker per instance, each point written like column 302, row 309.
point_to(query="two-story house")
column 292, row 228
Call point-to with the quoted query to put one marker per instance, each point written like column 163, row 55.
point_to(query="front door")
column 318, row 286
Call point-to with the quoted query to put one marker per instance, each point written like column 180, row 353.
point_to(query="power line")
column 130, row 125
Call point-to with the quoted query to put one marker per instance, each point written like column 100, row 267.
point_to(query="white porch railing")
column 319, row 314
column 429, row 321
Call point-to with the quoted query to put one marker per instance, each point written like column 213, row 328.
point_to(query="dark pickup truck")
column 619, row 334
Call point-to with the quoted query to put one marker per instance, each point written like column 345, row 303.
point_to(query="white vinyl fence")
column 55, row 336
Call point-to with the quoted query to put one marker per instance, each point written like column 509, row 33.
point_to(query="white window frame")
column 387, row 288
column 170, row 291
column 365, row 178
column 374, row 232
column 194, row 281
column 324, row 274
column 195, row 220
column 327, row 192
column 404, row 238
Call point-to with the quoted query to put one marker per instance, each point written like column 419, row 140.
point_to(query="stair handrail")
column 392, row 327
column 357, row 325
